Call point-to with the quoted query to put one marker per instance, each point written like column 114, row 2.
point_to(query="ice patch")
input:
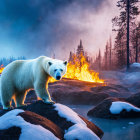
column 131, row 123
column 118, row 106
column 79, row 130
column 28, row 131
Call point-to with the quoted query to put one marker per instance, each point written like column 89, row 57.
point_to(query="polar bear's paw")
column 20, row 105
column 50, row 102
column 8, row 107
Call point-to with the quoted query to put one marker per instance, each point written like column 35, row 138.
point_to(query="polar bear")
column 21, row 75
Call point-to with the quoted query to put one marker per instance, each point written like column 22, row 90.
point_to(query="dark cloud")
column 38, row 27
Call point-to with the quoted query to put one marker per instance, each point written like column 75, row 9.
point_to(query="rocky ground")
column 42, row 121
column 69, row 91
column 103, row 109
column 121, row 87
column 128, row 82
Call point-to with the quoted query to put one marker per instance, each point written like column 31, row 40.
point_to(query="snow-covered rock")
column 118, row 106
column 113, row 108
column 136, row 65
column 68, row 114
column 79, row 130
column 28, row 125
column 65, row 119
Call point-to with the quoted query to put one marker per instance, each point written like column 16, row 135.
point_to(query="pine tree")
column 99, row 60
column 110, row 52
column 135, row 40
column 80, row 49
column 106, row 56
column 70, row 56
column 120, row 50
column 128, row 12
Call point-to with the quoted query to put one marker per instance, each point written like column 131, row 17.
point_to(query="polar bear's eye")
column 55, row 70
column 61, row 69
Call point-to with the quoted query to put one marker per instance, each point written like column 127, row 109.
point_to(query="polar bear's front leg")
column 48, row 99
column 43, row 93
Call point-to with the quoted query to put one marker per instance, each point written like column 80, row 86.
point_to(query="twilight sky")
column 32, row 28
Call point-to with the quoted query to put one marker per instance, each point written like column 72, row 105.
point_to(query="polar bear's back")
column 21, row 74
column 18, row 73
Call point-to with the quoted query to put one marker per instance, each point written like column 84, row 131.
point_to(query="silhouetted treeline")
column 5, row 61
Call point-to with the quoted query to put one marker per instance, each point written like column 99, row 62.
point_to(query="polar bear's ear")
column 65, row 62
column 50, row 63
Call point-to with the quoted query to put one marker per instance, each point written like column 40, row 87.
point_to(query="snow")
column 118, row 106
column 135, row 65
column 132, row 77
column 34, row 132
column 68, row 114
column 79, row 130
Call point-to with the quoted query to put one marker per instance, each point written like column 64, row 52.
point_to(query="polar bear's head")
column 57, row 68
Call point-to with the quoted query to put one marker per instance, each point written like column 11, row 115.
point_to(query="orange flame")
column 1, row 68
column 79, row 70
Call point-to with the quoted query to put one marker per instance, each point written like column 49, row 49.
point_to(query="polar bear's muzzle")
column 58, row 77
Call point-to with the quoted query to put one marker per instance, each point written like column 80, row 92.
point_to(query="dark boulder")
column 134, row 99
column 36, row 119
column 12, row 133
column 16, row 125
column 75, row 92
column 79, row 97
column 112, row 90
column 102, row 110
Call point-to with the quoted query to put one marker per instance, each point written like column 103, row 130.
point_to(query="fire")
column 1, row 68
column 78, row 69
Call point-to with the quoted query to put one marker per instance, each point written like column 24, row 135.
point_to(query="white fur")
column 21, row 75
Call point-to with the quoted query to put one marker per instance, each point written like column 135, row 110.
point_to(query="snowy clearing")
column 118, row 106
column 34, row 132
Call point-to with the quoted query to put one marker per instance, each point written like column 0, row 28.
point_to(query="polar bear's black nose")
column 58, row 77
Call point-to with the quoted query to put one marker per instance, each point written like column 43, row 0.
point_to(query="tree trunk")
column 136, row 59
column 128, row 17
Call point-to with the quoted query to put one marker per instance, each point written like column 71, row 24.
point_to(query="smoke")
column 33, row 28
